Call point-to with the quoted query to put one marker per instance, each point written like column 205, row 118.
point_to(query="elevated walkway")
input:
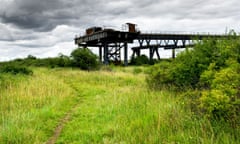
column 110, row 42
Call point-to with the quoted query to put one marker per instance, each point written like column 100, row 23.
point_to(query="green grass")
column 30, row 107
column 112, row 106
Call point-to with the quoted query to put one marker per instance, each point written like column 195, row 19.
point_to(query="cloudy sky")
column 45, row 28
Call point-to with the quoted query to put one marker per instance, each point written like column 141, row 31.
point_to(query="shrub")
column 64, row 61
column 212, row 68
column 188, row 66
column 160, row 75
column 84, row 59
column 223, row 99
column 14, row 69
column 140, row 60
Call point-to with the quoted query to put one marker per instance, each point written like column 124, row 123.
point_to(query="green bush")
column 223, row 98
column 160, row 75
column 60, row 61
column 14, row 69
column 84, row 59
column 140, row 60
column 212, row 67
column 188, row 66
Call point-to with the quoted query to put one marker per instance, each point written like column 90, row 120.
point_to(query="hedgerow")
column 14, row 69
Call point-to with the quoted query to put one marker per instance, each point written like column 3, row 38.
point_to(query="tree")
column 84, row 59
column 140, row 60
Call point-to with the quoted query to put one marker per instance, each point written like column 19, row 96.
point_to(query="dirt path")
column 60, row 126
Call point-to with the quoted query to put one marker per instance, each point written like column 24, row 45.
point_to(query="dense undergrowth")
column 208, row 78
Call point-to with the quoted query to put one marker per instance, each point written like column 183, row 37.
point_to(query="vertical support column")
column 133, row 53
column 173, row 53
column 184, row 44
column 106, row 60
column 125, row 53
column 100, row 54
column 158, row 55
column 140, row 45
column 156, row 48
column 151, row 53
column 173, row 50
column 150, row 50
column 138, row 52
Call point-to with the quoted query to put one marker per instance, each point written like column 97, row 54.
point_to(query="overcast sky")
column 45, row 28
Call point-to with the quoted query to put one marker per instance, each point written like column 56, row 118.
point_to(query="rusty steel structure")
column 110, row 42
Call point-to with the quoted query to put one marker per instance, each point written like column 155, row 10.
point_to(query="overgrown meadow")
column 164, row 103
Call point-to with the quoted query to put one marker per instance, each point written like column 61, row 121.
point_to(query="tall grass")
column 30, row 107
column 112, row 107
column 119, row 108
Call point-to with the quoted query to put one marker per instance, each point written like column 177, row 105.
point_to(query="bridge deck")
column 112, row 41
column 111, row 36
column 176, row 36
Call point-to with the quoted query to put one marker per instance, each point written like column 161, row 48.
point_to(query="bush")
column 63, row 61
column 140, row 60
column 160, row 76
column 188, row 66
column 84, row 59
column 14, row 69
column 212, row 68
column 223, row 98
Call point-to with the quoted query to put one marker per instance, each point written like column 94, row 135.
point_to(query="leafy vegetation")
column 61, row 61
column 140, row 60
column 212, row 69
column 14, row 69
column 84, row 59
column 80, row 58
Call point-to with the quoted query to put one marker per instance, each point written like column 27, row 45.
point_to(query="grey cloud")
column 41, row 15
column 44, row 15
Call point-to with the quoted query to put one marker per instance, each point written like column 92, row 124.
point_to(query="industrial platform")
column 110, row 42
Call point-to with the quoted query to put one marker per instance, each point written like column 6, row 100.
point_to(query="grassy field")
column 102, row 107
